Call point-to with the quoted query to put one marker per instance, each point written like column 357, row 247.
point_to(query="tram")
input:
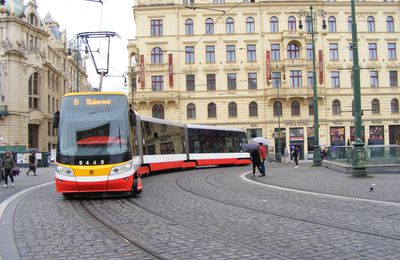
column 105, row 147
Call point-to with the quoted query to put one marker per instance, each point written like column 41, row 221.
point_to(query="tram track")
column 121, row 235
column 206, row 180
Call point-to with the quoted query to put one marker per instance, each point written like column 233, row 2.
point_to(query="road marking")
column 5, row 203
column 316, row 193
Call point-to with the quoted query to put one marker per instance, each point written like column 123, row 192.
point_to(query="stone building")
column 34, row 75
column 247, row 64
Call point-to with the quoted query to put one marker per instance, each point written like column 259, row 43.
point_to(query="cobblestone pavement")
column 214, row 214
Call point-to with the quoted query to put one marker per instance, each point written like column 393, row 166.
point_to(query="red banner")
column 170, row 70
column 321, row 67
column 142, row 71
column 268, row 67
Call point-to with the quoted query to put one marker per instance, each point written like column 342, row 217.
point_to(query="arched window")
column 291, row 23
column 277, row 108
column 230, row 25
column 212, row 110
column 371, row 24
column 158, row 111
column 253, row 109
column 295, row 108
column 293, row 51
column 209, row 26
column 156, row 56
column 336, row 107
column 375, row 107
column 311, row 108
column 349, row 24
column 394, row 105
column 191, row 111
column 274, row 25
column 33, row 91
column 189, row 27
column 250, row 25
column 33, row 20
column 332, row 24
column 389, row 24
column 232, row 109
column 308, row 23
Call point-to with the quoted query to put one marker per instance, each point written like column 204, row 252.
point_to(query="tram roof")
column 94, row 93
column 160, row 121
column 210, row 127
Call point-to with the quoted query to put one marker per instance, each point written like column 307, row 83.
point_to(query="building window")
column 333, row 51
column 277, row 108
column 373, row 55
column 189, row 27
column 335, row 80
column 230, row 53
column 250, row 25
column 375, row 107
column 156, row 56
column 275, row 52
column 189, row 54
column 291, row 23
column 295, row 108
column 251, row 52
column 231, row 81
column 157, row 83
column 253, row 109
column 33, row 20
column 209, row 26
column 48, row 104
column 33, row 91
column 307, row 21
column 252, row 80
column 332, row 24
column 389, row 24
column 293, row 51
column 191, row 111
column 393, row 78
column 309, row 51
column 311, row 108
column 274, row 25
column 211, row 82
column 230, row 26
column 394, row 106
column 374, row 78
column 276, row 79
column 219, row 1
column 156, row 27
column 190, row 83
column 295, row 78
column 157, row 111
column 371, row 24
column 210, row 54
column 336, row 107
column 349, row 24
column 212, row 110
column 232, row 109
column 392, row 51
column 310, row 82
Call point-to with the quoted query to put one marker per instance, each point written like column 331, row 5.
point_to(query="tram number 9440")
column 101, row 162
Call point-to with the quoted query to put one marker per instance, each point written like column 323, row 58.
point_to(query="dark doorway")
column 33, row 136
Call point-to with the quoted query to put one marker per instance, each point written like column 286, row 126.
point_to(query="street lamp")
column 358, row 161
column 311, row 29
column 276, row 84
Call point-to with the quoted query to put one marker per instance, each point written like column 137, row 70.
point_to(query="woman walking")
column 7, row 164
column 256, row 160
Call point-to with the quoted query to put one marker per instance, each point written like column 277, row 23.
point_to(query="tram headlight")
column 64, row 171
column 123, row 168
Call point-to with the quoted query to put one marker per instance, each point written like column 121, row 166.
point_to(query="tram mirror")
column 56, row 119
column 132, row 116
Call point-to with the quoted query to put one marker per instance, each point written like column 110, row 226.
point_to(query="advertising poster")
column 337, row 136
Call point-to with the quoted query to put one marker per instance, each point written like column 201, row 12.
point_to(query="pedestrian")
column 256, row 161
column 7, row 164
column 296, row 154
column 32, row 164
column 263, row 155
column 285, row 155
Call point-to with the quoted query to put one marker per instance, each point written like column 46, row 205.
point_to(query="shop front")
column 296, row 139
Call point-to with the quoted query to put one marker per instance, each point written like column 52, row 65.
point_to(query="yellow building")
column 34, row 75
column 247, row 64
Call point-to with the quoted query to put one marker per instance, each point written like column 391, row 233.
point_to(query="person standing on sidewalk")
column 32, row 164
column 263, row 155
column 7, row 164
column 296, row 155
column 256, row 161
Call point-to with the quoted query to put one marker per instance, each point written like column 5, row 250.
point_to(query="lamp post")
column 358, row 161
column 311, row 29
column 278, row 154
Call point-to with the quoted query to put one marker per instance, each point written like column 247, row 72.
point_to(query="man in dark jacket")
column 7, row 164
column 32, row 164
column 256, row 160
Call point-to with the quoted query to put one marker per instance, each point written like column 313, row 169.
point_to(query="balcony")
column 286, row 93
column 3, row 110
column 291, row 63
column 156, row 96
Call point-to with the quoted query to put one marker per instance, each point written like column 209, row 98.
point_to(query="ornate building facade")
column 34, row 75
column 247, row 64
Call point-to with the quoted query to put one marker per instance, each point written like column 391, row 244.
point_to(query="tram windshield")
column 94, row 125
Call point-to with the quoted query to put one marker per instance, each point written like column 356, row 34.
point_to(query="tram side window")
column 215, row 141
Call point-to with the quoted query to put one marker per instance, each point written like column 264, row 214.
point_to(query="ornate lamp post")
column 277, row 85
column 311, row 29
column 358, row 161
